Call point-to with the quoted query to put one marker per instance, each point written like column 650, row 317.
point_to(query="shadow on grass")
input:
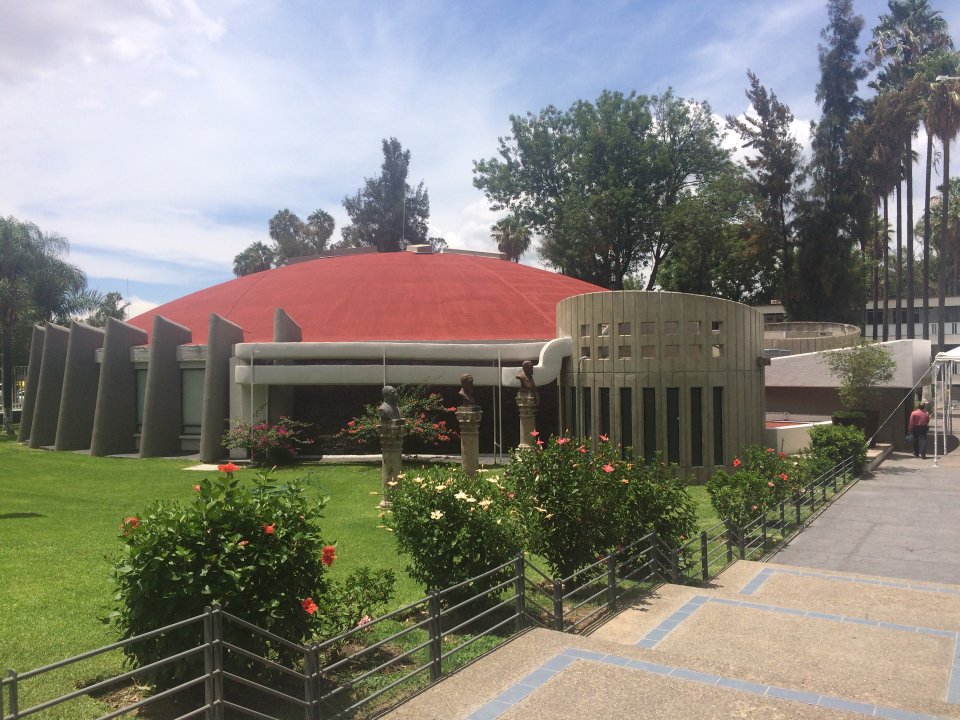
column 20, row 515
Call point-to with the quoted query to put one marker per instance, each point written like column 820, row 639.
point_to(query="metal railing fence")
column 417, row 644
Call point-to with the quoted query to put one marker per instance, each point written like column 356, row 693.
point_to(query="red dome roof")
column 390, row 296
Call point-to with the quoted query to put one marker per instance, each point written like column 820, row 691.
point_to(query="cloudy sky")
column 159, row 136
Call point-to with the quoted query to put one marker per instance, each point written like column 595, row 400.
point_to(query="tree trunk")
column 875, row 257
column 886, row 268
column 925, row 317
column 908, row 162
column 7, row 379
column 941, row 265
column 897, row 331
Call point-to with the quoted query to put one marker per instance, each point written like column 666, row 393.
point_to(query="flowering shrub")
column 454, row 527
column 762, row 479
column 256, row 549
column 269, row 445
column 349, row 602
column 426, row 417
column 579, row 504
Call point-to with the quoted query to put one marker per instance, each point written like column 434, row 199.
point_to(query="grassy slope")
column 59, row 517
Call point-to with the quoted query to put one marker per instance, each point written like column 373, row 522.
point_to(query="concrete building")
column 677, row 374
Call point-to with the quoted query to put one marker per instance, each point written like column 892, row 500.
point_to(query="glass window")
column 192, row 400
column 623, row 328
column 716, row 350
column 671, row 327
column 584, row 330
column 648, row 328
column 624, row 352
column 626, row 420
column 605, row 411
column 696, row 426
column 603, row 352
column 603, row 329
column 649, row 423
column 693, row 326
column 648, row 352
column 673, row 425
column 585, row 351
column 141, row 376
column 671, row 351
column 718, row 426
column 716, row 326
column 587, row 409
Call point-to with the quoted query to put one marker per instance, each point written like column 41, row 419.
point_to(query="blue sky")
column 159, row 136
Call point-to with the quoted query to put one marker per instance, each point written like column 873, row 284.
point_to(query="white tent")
column 942, row 372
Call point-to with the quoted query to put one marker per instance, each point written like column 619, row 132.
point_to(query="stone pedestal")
column 391, row 445
column 469, row 418
column 527, row 407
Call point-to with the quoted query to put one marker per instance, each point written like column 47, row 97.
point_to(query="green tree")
column 903, row 36
column 291, row 238
column 601, row 182
column 386, row 212
column 513, row 236
column 834, row 218
column 36, row 284
column 106, row 306
column 861, row 369
column 774, row 170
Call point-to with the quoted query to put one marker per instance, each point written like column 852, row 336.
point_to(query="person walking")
column 919, row 420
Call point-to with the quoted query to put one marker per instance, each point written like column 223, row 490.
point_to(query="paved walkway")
column 901, row 521
column 858, row 617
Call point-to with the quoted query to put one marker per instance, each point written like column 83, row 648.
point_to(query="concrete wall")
column 666, row 341
column 162, row 409
column 81, row 378
column 115, row 419
column 221, row 338
column 33, row 379
column 46, row 411
column 806, row 337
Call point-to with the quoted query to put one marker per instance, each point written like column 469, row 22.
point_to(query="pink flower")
column 582, row 449
column 769, row 449
column 243, row 543
column 269, row 529
column 351, row 423
column 608, row 468
column 603, row 438
column 783, row 456
column 736, row 462
column 196, row 488
column 783, row 476
column 753, row 507
column 562, row 440
column 771, row 484
column 535, row 433
column 364, row 621
column 451, row 409
column 539, row 443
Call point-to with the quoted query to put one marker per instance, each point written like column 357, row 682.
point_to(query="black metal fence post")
column 797, row 500
column 741, row 544
column 813, row 497
column 14, row 700
column 309, row 671
column 217, row 663
column 558, row 605
column 834, row 478
column 675, row 566
column 783, row 516
column 729, row 535
column 704, row 557
column 521, row 590
column 654, row 554
column 316, row 692
column 436, row 637
column 823, row 491
column 612, row 582
column 208, row 671
column 763, row 531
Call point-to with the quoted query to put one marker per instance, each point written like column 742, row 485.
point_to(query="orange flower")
column 329, row 555
column 308, row 605
column 269, row 529
column 130, row 524
column 196, row 488
column 228, row 468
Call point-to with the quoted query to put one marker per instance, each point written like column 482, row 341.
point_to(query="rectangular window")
column 584, row 330
column 605, row 411
column 716, row 350
column 141, row 392
column 623, row 328
column 671, row 351
column 648, row 352
column 694, row 327
column 573, row 420
column 626, row 420
column 603, row 329
column 603, row 352
column 648, row 328
column 649, row 423
column 624, row 352
column 671, row 327
column 585, row 351
column 718, row 426
column 587, row 409
column 696, row 426
column 694, row 350
column 673, row 425
column 716, row 326
column 192, row 400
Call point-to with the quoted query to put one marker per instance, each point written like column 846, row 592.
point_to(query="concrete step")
column 763, row 641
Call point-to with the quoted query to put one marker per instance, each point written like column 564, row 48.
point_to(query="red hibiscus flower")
column 243, row 543
column 783, row 476
column 196, row 488
column 771, row 484
column 269, row 529
column 351, row 423
column 130, row 524
column 534, row 433
column 608, row 468
column 308, row 605
column 736, row 462
column 228, row 468
column 603, row 438
column 582, row 449
column 562, row 441
column 329, row 555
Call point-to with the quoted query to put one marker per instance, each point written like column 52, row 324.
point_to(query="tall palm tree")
column 943, row 119
column 903, row 36
column 513, row 236
column 36, row 284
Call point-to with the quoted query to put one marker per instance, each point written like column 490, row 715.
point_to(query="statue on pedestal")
column 525, row 376
column 466, row 391
column 389, row 412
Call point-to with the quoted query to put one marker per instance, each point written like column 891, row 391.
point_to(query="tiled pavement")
column 764, row 640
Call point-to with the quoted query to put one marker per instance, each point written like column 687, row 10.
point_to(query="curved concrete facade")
column 795, row 338
column 672, row 373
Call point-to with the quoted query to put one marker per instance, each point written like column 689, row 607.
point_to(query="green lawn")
column 59, row 520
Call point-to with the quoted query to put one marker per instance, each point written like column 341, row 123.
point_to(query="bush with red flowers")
column 429, row 423
column 255, row 548
column 762, row 479
column 270, row 445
